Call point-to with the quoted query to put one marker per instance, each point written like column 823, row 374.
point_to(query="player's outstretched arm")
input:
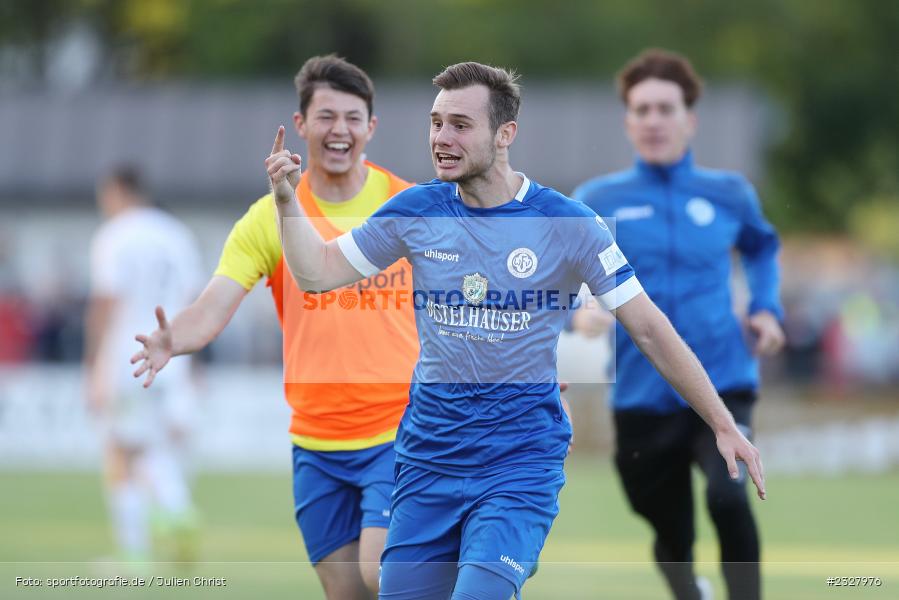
column 97, row 323
column 316, row 265
column 661, row 344
column 191, row 330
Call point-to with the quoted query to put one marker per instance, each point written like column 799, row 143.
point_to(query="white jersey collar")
column 525, row 186
column 522, row 191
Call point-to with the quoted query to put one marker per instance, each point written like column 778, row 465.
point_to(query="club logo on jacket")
column 474, row 288
column 522, row 262
column 701, row 211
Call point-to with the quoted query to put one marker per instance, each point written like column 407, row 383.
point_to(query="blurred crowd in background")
column 842, row 319
column 826, row 159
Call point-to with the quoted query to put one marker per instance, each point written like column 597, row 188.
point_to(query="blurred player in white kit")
column 141, row 257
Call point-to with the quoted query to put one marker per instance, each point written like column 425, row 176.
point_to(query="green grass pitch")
column 54, row 525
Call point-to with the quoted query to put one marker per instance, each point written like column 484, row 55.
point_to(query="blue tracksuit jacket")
column 678, row 225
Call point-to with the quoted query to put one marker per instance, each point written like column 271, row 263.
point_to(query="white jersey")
column 143, row 258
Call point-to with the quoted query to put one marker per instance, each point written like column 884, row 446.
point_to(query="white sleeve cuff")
column 354, row 255
column 621, row 294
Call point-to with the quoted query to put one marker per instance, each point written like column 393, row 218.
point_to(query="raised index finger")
column 279, row 140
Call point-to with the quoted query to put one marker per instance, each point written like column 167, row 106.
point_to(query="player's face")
column 658, row 123
column 109, row 197
column 336, row 128
column 462, row 142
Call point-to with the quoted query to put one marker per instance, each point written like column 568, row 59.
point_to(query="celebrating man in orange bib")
column 358, row 344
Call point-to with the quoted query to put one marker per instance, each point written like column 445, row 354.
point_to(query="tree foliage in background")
column 832, row 66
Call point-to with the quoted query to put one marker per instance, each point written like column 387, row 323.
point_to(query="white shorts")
column 144, row 417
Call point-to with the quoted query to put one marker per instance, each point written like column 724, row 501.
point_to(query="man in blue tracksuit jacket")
column 678, row 223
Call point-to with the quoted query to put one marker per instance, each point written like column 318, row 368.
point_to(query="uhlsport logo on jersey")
column 701, row 211
column 442, row 256
column 522, row 262
column 601, row 223
column 474, row 288
column 512, row 563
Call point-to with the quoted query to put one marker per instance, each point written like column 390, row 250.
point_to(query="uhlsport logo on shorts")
column 512, row 563
column 474, row 288
column 522, row 262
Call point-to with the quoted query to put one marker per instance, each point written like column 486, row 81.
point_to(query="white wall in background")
column 243, row 419
column 241, row 423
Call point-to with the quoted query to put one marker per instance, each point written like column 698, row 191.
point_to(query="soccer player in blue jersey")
column 495, row 260
column 678, row 224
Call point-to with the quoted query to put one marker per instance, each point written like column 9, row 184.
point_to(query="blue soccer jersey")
column 679, row 225
column 492, row 291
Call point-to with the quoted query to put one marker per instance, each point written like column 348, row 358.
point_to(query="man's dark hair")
column 336, row 73
column 129, row 178
column 661, row 64
column 505, row 93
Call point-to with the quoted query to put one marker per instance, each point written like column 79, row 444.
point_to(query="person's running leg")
column 127, row 500
column 476, row 583
column 653, row 460
column 329, row 516
column 420, row 560
column 509, row 515
column 376, row 482
column 729, row 505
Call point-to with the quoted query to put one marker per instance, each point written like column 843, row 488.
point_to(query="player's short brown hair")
column 505, row 93
column 336, row 73
column 660, row 64
column 128, row 177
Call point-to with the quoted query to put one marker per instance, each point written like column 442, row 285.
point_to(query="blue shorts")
column 496, row 522
column 337, row 494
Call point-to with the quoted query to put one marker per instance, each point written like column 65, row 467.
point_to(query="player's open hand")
column 157, row 349
column 283, row 169
column 734, row 447
column 768, row 334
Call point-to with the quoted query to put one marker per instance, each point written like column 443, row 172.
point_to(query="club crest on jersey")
column 522, row 262
column 701, row 211
column 474, row 288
